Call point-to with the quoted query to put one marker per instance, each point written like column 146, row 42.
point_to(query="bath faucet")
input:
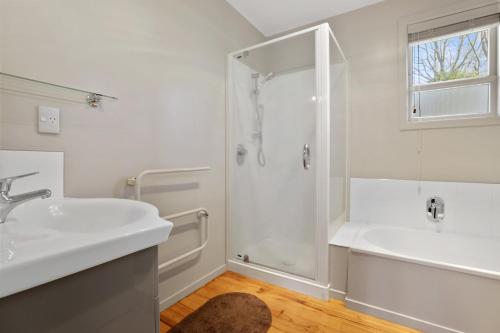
column 435, row 209
column 9, row 202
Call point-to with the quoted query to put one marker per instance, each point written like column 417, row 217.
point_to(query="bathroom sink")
column 84, row 216
column 44, row 240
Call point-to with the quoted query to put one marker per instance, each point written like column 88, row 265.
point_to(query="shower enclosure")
column 286, row 157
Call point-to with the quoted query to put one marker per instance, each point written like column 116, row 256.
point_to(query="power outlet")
column 48, row 120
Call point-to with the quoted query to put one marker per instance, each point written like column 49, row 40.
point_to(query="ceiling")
column 275, row 16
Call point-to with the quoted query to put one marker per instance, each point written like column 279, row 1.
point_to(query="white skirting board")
column 171, row 300
column 337, row 294
column 399, row 318
column 280, row 279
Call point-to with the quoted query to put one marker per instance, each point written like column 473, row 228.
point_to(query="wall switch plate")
column 48, row 120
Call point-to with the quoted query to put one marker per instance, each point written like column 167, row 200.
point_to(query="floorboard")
column 292, row 312
column 164, row 328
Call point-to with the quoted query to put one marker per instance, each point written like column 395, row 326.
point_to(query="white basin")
column 44, row 240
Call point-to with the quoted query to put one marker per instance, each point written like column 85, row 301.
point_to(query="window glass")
column 463, row 56
column 456, row 101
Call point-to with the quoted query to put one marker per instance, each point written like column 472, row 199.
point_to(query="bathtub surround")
column 418, row 261
column 433, row 300
column 470, row 209
column 165, row 61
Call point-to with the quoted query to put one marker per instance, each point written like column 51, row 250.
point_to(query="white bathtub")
column 468, row 254
column 435, row 282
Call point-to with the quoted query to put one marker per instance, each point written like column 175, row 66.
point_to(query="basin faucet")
column 9, row 202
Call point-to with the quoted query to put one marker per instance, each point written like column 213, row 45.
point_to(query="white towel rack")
column 201, row 213
column 137, row 181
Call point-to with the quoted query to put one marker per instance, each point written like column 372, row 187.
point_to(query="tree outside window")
column 453, row 58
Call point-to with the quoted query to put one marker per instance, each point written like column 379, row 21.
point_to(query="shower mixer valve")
column 241, row 152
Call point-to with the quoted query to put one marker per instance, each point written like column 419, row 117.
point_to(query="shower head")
column 258, row 85
column 268, row 77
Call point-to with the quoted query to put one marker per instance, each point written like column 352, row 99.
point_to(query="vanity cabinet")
column 120, row 296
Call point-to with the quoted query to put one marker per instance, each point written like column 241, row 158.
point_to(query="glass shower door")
column 273, row 147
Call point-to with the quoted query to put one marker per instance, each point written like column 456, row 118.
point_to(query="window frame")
column 456, row 14
column 491, row 79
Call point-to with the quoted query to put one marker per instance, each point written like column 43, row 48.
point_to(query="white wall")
column 49, row 165
column 369, row 37
column 379, row 149
column 165, row 61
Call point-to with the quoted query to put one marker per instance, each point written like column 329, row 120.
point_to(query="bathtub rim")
column 356, row 230
column 431, row 263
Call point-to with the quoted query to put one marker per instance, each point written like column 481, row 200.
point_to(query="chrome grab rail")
column 202, row 213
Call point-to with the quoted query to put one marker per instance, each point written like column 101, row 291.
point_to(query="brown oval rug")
column 228, row 313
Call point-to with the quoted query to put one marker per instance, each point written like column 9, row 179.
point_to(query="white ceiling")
column 275, row 16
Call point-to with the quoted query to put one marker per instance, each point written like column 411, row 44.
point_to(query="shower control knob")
column 241, row 152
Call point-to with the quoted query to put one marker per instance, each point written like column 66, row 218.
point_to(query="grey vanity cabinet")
column 120, row 296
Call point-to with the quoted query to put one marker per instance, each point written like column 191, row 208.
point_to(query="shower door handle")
column 306, row 157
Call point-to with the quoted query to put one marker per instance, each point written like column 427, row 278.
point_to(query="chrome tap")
column 9, row 202
column 435, row 209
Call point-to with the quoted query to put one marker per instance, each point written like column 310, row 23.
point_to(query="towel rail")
column 137, row 181
column 201, row 213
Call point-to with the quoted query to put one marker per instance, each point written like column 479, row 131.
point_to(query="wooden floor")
column 292, row 312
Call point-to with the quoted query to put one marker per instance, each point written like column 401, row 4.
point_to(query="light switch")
column 48, row 120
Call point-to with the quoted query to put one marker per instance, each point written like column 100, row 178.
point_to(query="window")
column 452, row 71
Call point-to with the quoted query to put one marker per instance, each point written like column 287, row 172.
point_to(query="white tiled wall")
column 50, row 166
column 470, row 208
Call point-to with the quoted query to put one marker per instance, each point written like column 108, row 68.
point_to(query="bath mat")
column 228, row 313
